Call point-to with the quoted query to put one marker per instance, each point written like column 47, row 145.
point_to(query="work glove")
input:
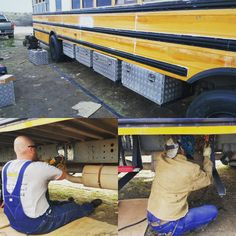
column 207, row 151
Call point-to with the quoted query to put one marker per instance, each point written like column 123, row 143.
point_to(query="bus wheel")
column 216, row 103
column 56, row 49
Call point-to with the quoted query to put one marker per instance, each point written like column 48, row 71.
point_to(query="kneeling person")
column 176, row 177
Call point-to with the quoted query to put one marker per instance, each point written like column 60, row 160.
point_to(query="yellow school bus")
column 161, row 49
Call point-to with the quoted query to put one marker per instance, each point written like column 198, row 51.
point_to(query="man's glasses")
column 32, row 146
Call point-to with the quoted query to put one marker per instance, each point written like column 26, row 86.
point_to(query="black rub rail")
column 178, row 70
column 199, row 41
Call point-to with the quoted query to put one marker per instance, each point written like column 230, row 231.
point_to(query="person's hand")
column 1, row 204
column 207, row 151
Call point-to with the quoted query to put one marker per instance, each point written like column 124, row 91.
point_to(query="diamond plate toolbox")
column 38, row 57
column 154, row 86
column 107, row 66
column 7, row 94
column 84, row 56
column 69, row 49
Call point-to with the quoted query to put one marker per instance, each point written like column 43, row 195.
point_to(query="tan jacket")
column 174, row 180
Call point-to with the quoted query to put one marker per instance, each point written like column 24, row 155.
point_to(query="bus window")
column 58, row 5
column 103, row 3
column 87, row 3
column 75, row 4
column 123, row 2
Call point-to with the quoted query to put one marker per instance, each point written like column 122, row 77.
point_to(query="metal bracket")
column 217, row 180
column 136, row 162
column 121, row 152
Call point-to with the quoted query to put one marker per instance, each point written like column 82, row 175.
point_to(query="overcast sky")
column 16, row 5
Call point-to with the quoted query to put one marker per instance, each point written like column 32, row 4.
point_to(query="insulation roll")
column 99, row 176
column 109, row 177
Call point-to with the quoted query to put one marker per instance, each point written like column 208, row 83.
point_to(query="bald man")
column 25, row 186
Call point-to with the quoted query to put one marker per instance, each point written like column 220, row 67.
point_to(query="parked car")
column 6, row 27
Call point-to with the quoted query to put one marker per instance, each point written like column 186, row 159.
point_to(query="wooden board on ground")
column 3, row 220
column 85, row 227
column 86, row 109
column 130, row 212
column 8, row 231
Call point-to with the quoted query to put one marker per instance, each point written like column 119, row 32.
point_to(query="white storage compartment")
column 69, row 49
column 107, row 66
column 38, row 56
column 154, row 86
column 84, row 56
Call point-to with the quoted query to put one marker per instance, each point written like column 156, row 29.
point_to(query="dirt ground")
column 107, row 212
column 51, row 90
column 140, row 187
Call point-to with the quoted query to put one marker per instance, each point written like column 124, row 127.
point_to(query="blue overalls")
column 55, row 217
column 195, row 219
column 13, row 207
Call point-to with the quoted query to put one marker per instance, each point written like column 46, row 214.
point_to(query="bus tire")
column 56, row 49
column 216, row 103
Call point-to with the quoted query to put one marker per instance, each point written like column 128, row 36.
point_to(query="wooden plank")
column 4, row 79
column 55, row 130
column 87, row 133
column 47, row 133
column 85, row 227
column 100, row 126
column 10, row 232
column 127, row 217
column 3, row 220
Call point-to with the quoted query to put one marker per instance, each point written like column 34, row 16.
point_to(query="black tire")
column 24, row 43
column 56, row 49
column 216, row 103
column 11, row 36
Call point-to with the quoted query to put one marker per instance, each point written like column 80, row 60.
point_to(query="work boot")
column 96, row 202
column 71, row 199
